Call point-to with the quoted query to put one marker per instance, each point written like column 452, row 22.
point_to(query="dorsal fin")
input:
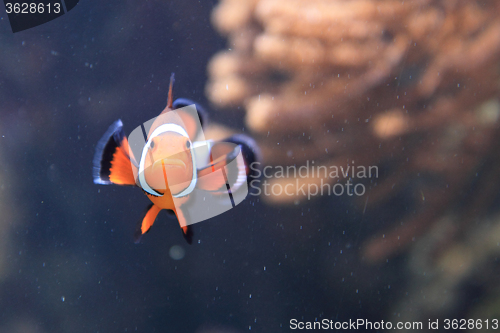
column 170, row 99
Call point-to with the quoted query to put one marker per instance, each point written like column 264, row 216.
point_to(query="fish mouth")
column 170, row 163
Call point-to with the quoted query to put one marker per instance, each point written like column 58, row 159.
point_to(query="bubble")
column 177, row 252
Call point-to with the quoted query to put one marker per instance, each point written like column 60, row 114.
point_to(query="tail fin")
column 112, row 161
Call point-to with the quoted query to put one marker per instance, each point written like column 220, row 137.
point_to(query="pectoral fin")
column 213, row 177
column 230, row 166
column 113, row 162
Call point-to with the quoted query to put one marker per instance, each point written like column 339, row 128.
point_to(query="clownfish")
column 168, row 168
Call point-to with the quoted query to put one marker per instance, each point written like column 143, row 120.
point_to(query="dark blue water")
column 68, row 261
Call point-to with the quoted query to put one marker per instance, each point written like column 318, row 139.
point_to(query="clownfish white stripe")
column 202, row 150
column 158, row 131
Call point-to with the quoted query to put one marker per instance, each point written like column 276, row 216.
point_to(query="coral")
column 442, row 277
column 410, row 86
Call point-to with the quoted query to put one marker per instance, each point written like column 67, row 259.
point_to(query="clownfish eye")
column 188, row 144
column 152, row 144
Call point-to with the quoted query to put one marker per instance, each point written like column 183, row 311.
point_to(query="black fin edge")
column 147, row 193
column 202, row 114
column 250, row 151
column 189, row 235
column 104, row 152
column 171, row 214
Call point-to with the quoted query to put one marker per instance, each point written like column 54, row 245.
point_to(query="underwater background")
column 409, row 87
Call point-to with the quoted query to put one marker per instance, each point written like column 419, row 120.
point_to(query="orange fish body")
column 167, row 170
